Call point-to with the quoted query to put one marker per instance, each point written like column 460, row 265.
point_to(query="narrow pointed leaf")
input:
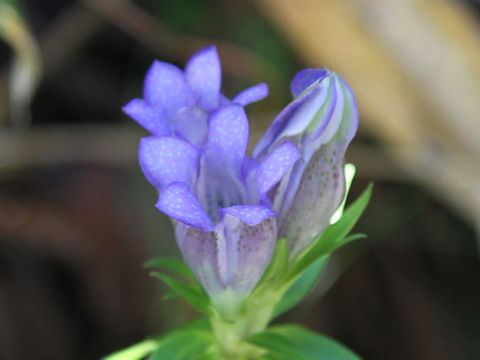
column 134, row 352
column 302, row 286
column 183, row 345
column 193, row 295
column 295, row 342
column 174, row 265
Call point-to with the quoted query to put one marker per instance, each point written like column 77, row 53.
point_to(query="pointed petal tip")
column 275, row 165
column 204, row 75
column 149, row 118
column 178, row 202
column 165, row 87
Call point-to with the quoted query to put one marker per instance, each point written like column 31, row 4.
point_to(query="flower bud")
column 321, row 120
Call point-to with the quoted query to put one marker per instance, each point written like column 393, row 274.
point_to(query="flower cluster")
column 228, row 208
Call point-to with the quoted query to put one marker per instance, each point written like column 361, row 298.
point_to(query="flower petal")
column 165, row 159
column 275, row 165
column 287, row 123
column 204, row 75
column 232, row 258
column 313, row 190
column 227, row 137
column 304, row 79
column 177, row 201
column 151, row 119
column 249, row 214
column 247, row 253
column 320, row 192
column 252, row 94
column 191, row 124
column 165, row 88
column 200, row 252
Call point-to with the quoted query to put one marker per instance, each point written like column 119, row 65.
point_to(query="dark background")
column 77, row 218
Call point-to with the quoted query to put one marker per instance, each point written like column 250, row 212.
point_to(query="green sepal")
column 285, row 342
column 193, row 294
column 335, row 235
column 173, row 265
column 302, row 286
column 277, row 267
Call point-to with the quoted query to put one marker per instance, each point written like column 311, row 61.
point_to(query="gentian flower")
column 177, row 103
column 218, row 198
column 321, row 120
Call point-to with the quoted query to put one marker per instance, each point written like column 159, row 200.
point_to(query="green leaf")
column 302, row 286
column 171, row 264
column 295, row 342
column 146, row 347
column 335, row 234
column 134, row 352
column 194, row 295
column 186, row 344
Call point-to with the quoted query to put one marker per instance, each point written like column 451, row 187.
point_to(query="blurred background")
column 77, row 218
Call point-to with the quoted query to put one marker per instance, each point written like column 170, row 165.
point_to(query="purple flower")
column 321, row 120
column 218, row 198
column 177, row 103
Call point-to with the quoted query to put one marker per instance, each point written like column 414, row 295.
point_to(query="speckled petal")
column 247, row 253
column 204, row 75
column 200, row 252
column 151, row 119
column 231, row 258
column 165, row 88
column 319, row 194
column 220, row 177
column 304, row 79
column 252, row 94
column 177, row 201
column 308, row 196
column 227, row 137
column 165, row 159
column 275, row 165
column 249, row 214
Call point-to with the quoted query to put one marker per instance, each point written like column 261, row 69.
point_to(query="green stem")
column 231, row 333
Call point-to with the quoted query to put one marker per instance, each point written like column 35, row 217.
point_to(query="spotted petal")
column 249, row 214
column 166, row 159
column 177, row 201
column 275, row 165
column 204, row 74
column 319, row 194
column 313, row 190
column 227, row 137
column 151, row 119
column 252, row 94
column 165, row 88
column 230, row 259
column 247, row 253
column 200, row 252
